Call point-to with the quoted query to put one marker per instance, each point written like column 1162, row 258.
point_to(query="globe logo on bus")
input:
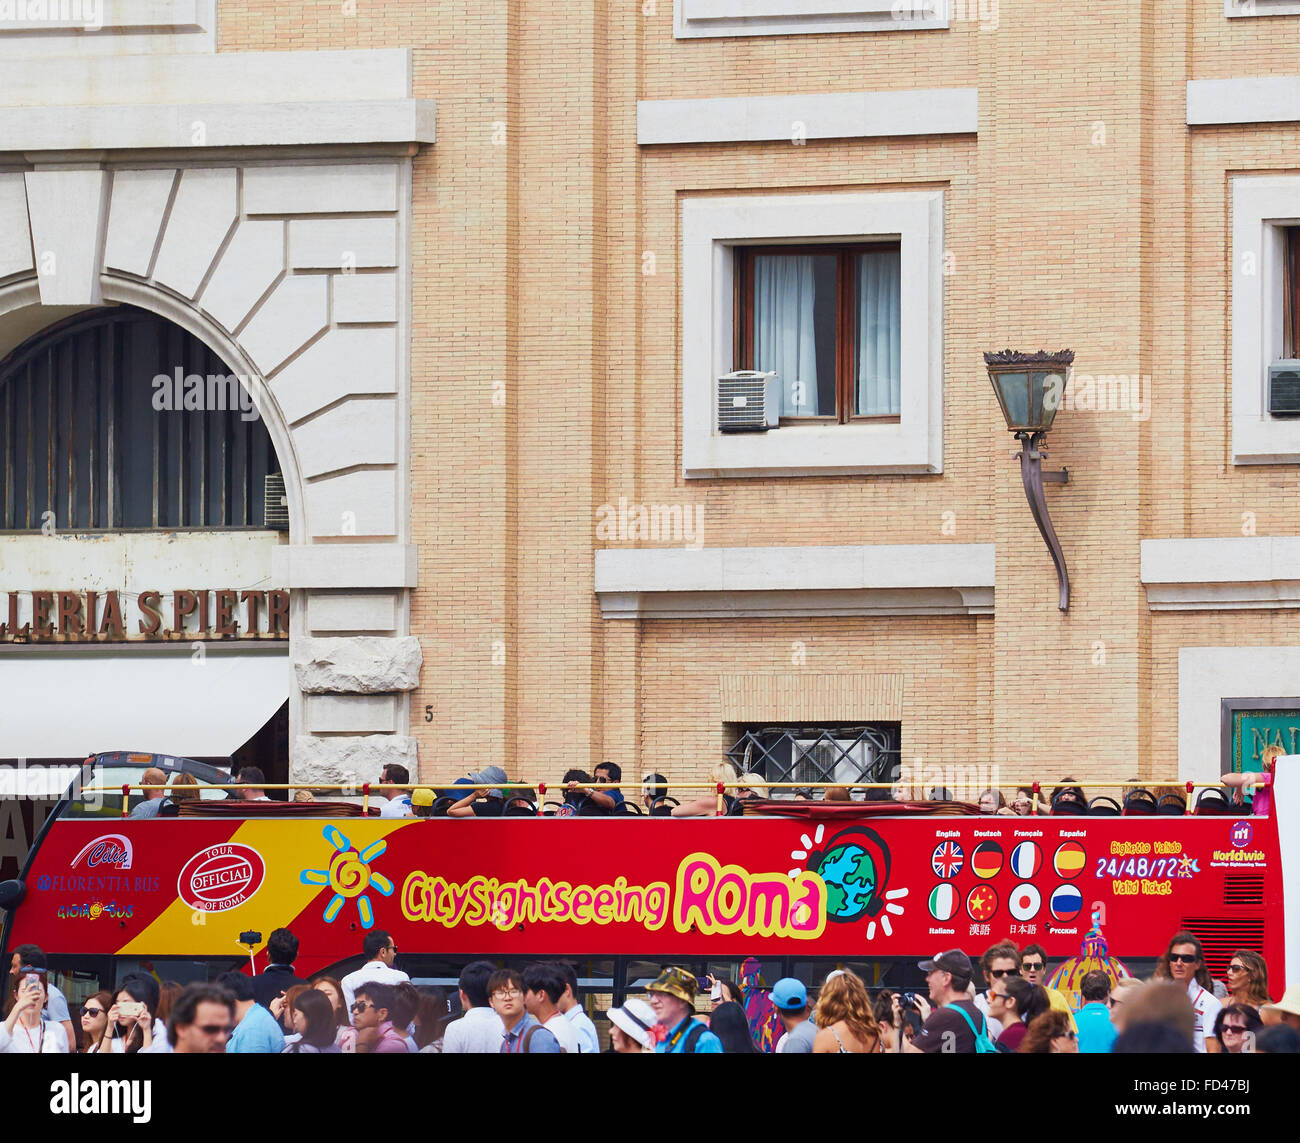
column 854, row 864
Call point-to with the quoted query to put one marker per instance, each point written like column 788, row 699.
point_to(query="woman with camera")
column 25, row 1032
column 131, row 1025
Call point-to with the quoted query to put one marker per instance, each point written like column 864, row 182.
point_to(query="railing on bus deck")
column 363, row 791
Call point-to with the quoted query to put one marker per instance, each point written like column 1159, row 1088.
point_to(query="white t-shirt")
column 377, row 971
column 563, row 1031
column 1207, row 1012
column 157, row 1047
column 479, row 1030
column 399, row 807
column 25, row 1041
column 583, row 1029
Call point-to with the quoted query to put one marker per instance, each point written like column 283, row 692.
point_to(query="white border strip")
column 850, row 115
column 1255, row 99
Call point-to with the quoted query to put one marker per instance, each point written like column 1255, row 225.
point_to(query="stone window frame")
column 1263, row 207
column 711, row 228
column 1238, row 9
column 695, row 19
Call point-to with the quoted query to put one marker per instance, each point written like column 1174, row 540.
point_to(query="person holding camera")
column 131, row 1026
column 955, row 1024
column 26, row 1032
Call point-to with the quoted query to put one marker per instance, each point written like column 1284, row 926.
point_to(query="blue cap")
column 789, row 994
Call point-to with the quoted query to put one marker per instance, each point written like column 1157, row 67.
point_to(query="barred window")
column 119, row 419
column 846, row 754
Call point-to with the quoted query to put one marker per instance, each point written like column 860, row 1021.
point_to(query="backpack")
column 523, row 1044
column 693, row 1037
column 982, row 1041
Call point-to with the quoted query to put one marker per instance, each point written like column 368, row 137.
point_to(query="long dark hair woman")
column 728, row 1023
column 132, row 1022
column 1248, row 979
column 94, row 1019
column 313, row 1020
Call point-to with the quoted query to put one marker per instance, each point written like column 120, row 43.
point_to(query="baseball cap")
column 789, row 994
column 675, row 982
column 421, row 796
column 950, row 960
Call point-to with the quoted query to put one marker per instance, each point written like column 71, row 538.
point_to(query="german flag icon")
column 987, row 859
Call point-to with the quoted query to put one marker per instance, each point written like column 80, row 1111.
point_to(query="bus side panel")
column 657, row 887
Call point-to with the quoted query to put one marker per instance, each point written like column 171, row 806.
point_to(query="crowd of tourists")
column 999, row 1003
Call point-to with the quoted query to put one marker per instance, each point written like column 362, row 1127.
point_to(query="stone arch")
column 294, row 273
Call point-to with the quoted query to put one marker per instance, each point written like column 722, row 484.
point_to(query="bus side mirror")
column 12, row 894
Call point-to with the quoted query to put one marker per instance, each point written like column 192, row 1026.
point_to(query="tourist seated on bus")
column 654, row 788
column 488, row 776
column 153, row 799
column 837, row 794
column 1069, row 798
column 705, row 803
column 1261, row 780
column 250, row 781
column 477, row 804
column 1022, row 804
column 992, row 802
column 605, row 773
column 394, row 802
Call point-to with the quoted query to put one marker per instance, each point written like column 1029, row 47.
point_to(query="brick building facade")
column 563, row 289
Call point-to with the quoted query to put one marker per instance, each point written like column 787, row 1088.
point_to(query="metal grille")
column 1241, row 889
column 844, row 754
column 88, row 442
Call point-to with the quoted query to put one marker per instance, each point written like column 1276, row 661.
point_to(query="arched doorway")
column 138, row 511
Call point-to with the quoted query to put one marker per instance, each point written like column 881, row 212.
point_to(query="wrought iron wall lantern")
column 1029, row 388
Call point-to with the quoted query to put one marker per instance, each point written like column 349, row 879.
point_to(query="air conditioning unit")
column 275, row 510
column 749, row 401
column 1284, row 389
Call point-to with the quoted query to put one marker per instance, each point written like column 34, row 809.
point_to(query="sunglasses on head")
column 1184, row 958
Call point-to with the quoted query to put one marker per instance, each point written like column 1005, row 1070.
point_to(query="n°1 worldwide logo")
column 1240, row 834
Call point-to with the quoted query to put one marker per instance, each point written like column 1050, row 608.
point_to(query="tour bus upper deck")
column 797, row 886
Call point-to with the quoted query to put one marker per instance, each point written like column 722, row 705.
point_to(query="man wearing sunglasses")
column 201, row 1020
column 1000, row 962
column 1033, row 967
column 1186, row 962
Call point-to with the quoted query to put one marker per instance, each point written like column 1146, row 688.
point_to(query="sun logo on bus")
column 349, row 875
column 855, row 866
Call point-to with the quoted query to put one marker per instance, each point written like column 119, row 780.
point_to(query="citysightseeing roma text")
column 711, row 897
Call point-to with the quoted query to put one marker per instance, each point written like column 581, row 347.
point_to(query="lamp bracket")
column 1032, row 476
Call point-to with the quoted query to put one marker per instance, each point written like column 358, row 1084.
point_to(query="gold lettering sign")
column 151, row 616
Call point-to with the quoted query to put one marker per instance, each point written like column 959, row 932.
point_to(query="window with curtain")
column 825, row 320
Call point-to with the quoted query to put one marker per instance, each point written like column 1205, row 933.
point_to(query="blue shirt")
column 256, row 1032
column 542, row 1040
column 676, row 1039
column 1096, row 1032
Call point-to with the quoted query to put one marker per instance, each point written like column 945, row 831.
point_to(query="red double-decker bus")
column 875, row 886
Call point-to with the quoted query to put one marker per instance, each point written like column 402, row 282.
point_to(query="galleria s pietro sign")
column 119, row 616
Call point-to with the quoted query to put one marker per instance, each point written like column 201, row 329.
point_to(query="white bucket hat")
column 636, row 1018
